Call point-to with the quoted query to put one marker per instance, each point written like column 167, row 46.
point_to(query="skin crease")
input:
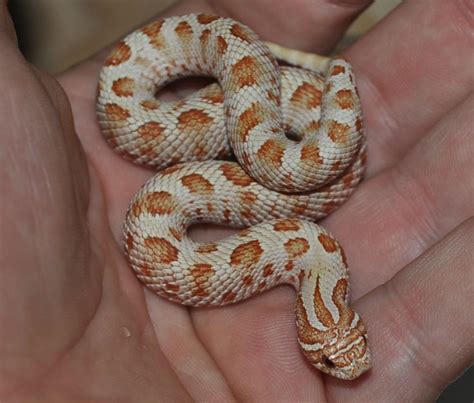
column 76, row 325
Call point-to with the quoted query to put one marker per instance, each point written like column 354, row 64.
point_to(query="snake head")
column 338, row 348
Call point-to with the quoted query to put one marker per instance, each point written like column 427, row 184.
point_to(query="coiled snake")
column 297, row 136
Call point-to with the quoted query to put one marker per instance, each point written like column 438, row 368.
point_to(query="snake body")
column 277, row 188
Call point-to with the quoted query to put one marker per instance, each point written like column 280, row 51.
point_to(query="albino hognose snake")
column 278, row 188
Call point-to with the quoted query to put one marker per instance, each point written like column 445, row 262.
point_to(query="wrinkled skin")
column 75, row 323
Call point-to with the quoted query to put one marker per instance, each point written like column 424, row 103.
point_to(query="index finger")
column 412, row 68
column 420, row 331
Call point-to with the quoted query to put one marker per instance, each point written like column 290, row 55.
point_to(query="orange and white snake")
column 280, row 185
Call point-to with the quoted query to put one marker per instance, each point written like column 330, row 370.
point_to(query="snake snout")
column 348, row 359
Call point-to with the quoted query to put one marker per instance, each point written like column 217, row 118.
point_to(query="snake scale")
column 297, row 135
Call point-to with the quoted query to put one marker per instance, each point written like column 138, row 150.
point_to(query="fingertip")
column 6, row 24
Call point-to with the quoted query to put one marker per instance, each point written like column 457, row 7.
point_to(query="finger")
column 6, row 23
column 411, row 69
column 187, row 356
column 43, row 229
column 255, row 345
column 314, row 26
column 420, row 325
column 398, row 214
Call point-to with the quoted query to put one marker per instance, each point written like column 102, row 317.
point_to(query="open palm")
column 75, row 323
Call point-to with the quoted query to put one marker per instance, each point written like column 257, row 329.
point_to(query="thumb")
column 44, row 282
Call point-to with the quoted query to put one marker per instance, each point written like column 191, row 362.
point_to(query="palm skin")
column 77, row 325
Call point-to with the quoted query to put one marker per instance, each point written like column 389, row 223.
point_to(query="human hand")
column 75, row 323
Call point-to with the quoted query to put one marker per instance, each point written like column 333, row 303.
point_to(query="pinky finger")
column 420, row 325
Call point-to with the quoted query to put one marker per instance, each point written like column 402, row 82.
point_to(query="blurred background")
column 55, row 34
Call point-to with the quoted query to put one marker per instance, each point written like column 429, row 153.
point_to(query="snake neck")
column 331, row 334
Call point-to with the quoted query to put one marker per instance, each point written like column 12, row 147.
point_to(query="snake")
column 275, row 144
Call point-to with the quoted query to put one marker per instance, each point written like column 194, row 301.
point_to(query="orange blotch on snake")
column 150, row 104
column 204, row 38
column 347, row 179
column 150, row 131
column 246, row 255
column 271, row 96
column 161, row 250
column 271, row 153
column 227, row 214
column 245, row 72
column 310, row 153
column 329, row 206
column 129, row 242
column 338, row 132
column 336, row 166
column 116, row 113
column 200, row 152
column 247, row 214
column 173, row 288
column 244, row 233
column 246, row 160
column 221, row 45
column 301, row 276
column 130, row 155
column 247, row 280
column 251, row 117
column 120, row 54
column 343, row 257
column 290, row 265
column 337, row 70
column 145, row 270
column 235, row 174
column 153, row 31
column 201, row 273
column 148, row 151
column 296, row 247
column 184, row 31
column 268, row 270
column 242, row 33
column 262, row 285
column 345, row 99
column 196, row 183
column 248, row 198
column 206, row 18
column 216, row 97
column 123, row 87
column 176, row 234
column 300, row 208
column 286, row 225
column 307, row 95
column 170, row 170
column 194, row 120
column 155, row 203
column 207, row 248
column 229, row 296
column 329, row 243
column 313, row 126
